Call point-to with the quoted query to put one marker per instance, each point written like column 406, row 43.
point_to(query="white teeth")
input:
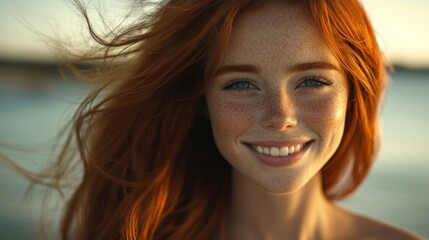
column 266, row 151
column 291, row 149
column 275, row 152
column 284, row 151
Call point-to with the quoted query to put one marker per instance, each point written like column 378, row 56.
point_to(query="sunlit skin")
column 280, row 85
column 292, row 89
column 289, row 88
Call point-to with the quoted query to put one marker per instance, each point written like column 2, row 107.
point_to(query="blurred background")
column 35, row 102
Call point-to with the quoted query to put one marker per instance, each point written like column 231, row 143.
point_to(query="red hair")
column 151, row 169
column 348, row 32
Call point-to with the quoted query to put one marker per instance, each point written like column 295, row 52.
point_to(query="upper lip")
column 279, row 143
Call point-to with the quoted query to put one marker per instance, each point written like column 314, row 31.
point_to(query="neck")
column 256, row 214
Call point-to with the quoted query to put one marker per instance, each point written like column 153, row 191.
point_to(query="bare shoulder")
column 364, row 227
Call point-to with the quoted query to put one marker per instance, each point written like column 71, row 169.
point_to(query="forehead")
column 277, row 30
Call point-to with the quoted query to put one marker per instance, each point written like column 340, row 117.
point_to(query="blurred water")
column 396, row 191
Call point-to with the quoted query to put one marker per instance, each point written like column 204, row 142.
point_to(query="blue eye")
column 239, row 85
column 314, row 82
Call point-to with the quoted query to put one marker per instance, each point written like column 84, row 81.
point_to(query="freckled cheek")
column 326, row 114
column 229, row 118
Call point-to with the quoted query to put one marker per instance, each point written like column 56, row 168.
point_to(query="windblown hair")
column 151, row 169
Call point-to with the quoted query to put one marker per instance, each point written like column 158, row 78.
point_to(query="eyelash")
column 233, row 85
column 319, row 83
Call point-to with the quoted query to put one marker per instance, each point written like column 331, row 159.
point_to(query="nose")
column 280, row 113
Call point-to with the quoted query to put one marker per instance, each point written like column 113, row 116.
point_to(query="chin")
column 283, row 185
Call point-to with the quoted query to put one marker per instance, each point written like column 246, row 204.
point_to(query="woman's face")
column 278, row 103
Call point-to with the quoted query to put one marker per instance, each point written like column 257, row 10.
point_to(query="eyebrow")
column 236, row 68
column 299, row 67
column 313, row 65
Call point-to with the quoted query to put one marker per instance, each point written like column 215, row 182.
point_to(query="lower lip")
column 280, row 161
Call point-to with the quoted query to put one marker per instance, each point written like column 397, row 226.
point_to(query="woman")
column 232, row 120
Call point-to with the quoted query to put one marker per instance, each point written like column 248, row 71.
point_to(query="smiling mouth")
column 279, row 151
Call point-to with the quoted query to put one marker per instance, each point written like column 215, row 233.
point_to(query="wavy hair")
column 151, row 169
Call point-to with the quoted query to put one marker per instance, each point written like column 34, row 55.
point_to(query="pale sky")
column 401, row 26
